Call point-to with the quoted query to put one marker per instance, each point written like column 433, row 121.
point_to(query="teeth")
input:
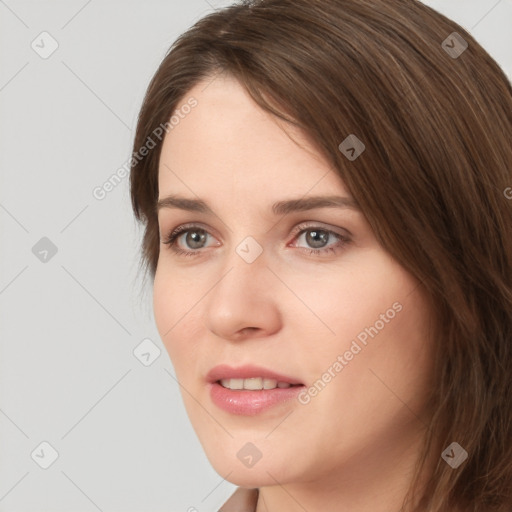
column 269, row 383
column 254, row 383
column 236, row 383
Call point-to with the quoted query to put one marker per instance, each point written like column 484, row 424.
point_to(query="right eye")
column 194, row 238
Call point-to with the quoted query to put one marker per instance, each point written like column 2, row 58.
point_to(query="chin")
column 262, row 472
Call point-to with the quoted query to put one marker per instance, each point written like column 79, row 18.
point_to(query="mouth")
column 250, row 390
column 250, row 377
column 254, row 384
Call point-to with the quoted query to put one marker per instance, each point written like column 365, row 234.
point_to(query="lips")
column 223, row 371
column 249, row 402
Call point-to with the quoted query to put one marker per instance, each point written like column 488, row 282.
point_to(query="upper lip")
column 248, row 371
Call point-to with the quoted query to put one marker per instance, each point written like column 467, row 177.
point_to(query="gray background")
column 69, row 324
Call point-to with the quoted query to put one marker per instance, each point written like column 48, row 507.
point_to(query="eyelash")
column 171, row 239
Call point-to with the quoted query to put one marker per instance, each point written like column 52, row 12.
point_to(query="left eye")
column 317, row 238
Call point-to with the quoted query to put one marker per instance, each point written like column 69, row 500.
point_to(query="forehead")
column 227, row 140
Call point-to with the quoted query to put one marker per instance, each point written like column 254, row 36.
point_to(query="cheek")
column 162, row 304
column 170, row 306
column 369, row 310
column 339, row 303
column 383, row 334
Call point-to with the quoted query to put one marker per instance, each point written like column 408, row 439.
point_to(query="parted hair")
column 433, row 182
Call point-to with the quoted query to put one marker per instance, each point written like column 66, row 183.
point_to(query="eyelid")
column 341, row 232
column 342, row 239
column 188, row 226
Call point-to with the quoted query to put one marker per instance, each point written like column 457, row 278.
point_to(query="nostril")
column 248, row 329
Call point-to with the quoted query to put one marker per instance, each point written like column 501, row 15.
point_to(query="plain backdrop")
column 79, row 394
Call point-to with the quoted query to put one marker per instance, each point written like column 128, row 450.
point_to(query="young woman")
column 326, row 192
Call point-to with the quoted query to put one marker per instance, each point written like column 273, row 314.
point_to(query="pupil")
column 194, row 239
column 317, row 238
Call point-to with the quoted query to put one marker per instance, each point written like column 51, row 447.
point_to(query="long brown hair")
column 435, row 117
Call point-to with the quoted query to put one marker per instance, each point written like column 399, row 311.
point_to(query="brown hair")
column 431, row 180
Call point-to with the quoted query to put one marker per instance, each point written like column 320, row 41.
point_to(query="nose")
column 244, row 302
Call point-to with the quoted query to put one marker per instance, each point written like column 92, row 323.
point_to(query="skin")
column 353, row 446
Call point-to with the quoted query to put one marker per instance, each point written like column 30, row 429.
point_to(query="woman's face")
column 294, row 288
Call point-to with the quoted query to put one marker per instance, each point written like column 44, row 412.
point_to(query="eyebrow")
column 279, row 208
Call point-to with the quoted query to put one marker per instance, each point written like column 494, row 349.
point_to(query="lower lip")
column 249, row 403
